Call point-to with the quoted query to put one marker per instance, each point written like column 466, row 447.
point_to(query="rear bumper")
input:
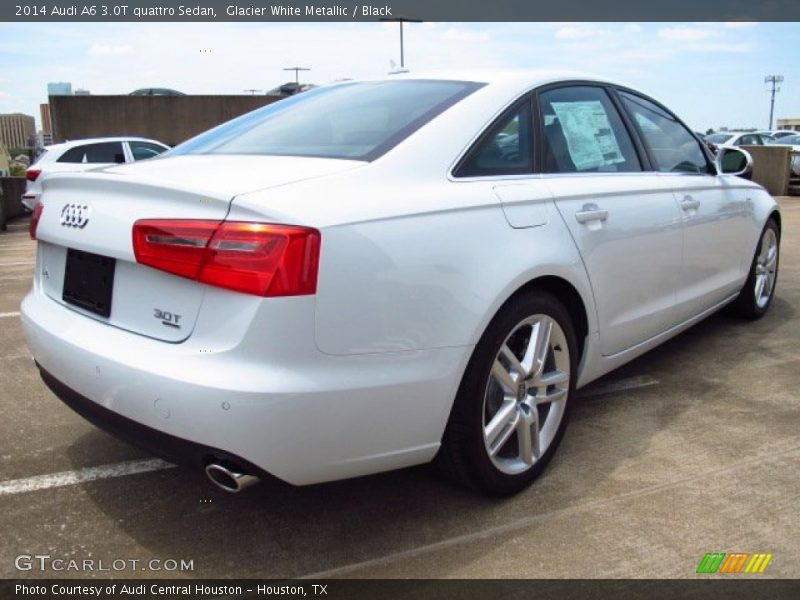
column 253, row 387
column 153, row 441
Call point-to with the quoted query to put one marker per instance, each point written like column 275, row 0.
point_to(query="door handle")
column 591, row 212
column 689, row 203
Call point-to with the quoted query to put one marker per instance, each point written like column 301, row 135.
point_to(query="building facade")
column 17, row 130
column 793, row 124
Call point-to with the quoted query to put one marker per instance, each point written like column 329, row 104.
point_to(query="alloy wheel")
column 526, row 394
column 766, row 267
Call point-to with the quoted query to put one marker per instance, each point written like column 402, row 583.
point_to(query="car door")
column 622, row 216
column 716, row 213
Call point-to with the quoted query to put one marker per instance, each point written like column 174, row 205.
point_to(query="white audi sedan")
column 378, row 274
column 82, row 155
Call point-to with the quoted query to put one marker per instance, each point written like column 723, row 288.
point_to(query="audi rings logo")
column 75, row 215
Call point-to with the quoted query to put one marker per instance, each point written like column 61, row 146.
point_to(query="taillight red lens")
column 37, row 214
column 254, row 258
column 32, row 174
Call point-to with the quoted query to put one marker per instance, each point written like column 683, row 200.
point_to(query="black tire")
column 463, row 456
column 746, row 305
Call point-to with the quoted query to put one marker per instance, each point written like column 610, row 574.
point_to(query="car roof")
column 510, row 79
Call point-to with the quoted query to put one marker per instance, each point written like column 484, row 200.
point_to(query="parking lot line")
column 43, row 482
column 7, row 315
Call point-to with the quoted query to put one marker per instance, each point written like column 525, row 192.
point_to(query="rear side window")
column 504, row 150
column 673, row 147
column 74, row 155
column 583, row 133
column 145, row 150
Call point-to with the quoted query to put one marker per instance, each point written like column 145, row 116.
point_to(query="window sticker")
column 590, row 139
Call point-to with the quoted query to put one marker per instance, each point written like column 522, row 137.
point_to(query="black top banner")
column 424, row 10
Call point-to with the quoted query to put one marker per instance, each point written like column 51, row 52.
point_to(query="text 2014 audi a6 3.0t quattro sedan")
column 378, row 274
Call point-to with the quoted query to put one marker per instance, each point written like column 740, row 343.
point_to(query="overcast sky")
column 712, row 75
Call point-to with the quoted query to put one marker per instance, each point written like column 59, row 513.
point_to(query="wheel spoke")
column 528, row 437
column 502, row 423
column 513, row 362
column 503, row 377
column 772, row 258
column 543, row 333
column 763, row 255
column 760, row 283
column 554, row 377
column 529, row 359
column 545, row 397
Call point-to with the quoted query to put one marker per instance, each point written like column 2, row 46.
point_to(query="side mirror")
column 733, row 161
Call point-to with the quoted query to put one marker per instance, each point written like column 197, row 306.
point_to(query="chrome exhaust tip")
column 229, row 480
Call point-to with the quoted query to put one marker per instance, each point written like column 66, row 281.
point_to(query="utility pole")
column 402, row 20
column 773, row 80
column 253, row 92
column 296, row 73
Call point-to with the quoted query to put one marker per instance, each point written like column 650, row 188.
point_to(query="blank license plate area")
column 89, row 281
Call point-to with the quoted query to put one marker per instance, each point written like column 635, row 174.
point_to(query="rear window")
column 358, row 121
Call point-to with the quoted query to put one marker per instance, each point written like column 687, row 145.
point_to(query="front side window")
column 583, row 133
column 673, row 147
column 106, row 152
column 504, row 150
column 145, row 150
column 358, row 121
column 750, row 139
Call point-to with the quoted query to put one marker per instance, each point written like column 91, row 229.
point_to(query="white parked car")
column 794, row 142
column 732, row 139
column 777, row 134
column 82, row 155
column 372, row 275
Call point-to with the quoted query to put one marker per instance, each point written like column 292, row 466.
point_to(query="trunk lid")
column 102, row 206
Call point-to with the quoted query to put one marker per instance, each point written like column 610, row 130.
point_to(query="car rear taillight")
column 32, row 174
column 37, row 214
column 254, row 258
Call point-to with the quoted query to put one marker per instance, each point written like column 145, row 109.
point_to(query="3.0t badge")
column 75, row 215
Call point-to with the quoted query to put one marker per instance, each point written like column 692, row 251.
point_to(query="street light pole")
column 402, row 20
column 296, row 73
column 773, row 80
